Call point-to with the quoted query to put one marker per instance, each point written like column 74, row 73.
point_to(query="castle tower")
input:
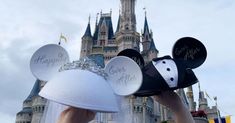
column 202, row 101
column 103, row 34
column 146, row 36
column 87, row 41
column 128, row 17
column 127, row 37
column 105, row 30
column 33, row 106
column 149, row 49
column 203, row 105
column 192, row 103
column 38, row 107
column 103, row 39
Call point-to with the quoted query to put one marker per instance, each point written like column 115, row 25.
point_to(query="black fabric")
column 153, row 82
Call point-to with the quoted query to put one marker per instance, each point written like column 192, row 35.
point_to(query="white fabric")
column 172, row 72
column 52, row 112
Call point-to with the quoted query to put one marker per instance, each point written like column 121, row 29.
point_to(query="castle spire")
column 192, row 103
column 149, row 47
column 152, row 46
column 95, row 35
column 203, row 104
column 96, row 21
column 88, row 29
column 145, row 11
column 199, row 86
column 146, row 27
column 148, row 43
column 34, row 91
column 118, row 25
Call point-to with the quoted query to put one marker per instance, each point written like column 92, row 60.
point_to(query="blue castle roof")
column 146, row 26
column 88, row 31
column 26, row 110
column 108, row 22
column 147, row 34
column 118, row 25
column 34, row 91
column 152, row 46
column 95, row 36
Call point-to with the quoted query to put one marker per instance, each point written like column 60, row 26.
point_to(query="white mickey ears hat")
column 79, row 84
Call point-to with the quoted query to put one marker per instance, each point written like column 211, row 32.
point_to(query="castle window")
column 138, row 108
column 102, row 42
column 103, row 33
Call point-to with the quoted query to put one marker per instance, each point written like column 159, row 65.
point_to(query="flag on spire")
column 62, row 37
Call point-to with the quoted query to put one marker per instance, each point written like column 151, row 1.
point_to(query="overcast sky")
column 26, row 25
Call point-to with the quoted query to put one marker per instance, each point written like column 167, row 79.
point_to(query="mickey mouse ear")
column 191, row 50
column 124, row 75
column 134, row 55
column 47, row 60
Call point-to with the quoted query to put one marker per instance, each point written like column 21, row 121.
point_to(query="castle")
column 102, row 45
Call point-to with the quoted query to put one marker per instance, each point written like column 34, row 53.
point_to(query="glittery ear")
column 191, row 50
column 134, row 55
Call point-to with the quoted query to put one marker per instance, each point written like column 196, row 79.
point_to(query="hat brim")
column 81, row 89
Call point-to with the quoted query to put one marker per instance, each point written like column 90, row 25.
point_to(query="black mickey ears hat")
column 166, row 73
column 163, row 74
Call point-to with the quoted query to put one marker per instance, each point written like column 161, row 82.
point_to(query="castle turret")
column 128, row 17
column 38, row 106
column 149, row 49
column 28, row 114
column 192, row 103
column 146, row 36
column 105, row 30
column 203, row 104
column 87, row 42
column 202, row 101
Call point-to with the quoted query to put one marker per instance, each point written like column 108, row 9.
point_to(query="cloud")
column 6, row 118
